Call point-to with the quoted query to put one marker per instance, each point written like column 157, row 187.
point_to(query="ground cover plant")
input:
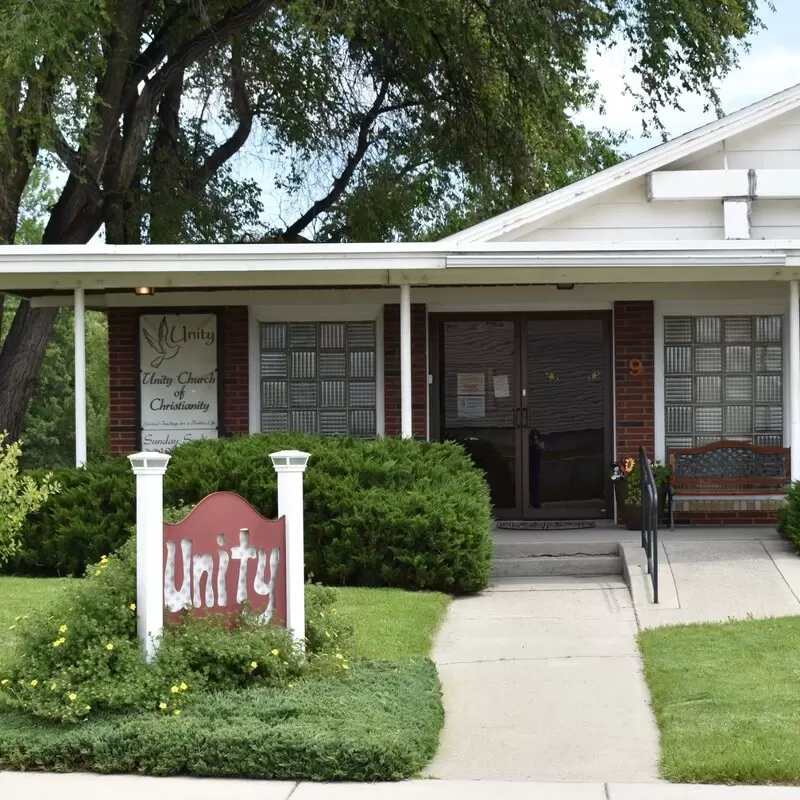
column 232, row 705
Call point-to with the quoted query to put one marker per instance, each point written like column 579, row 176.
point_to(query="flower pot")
column 631, row 516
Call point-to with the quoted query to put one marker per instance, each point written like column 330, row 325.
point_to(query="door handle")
column 524, row 417
column 515, row 418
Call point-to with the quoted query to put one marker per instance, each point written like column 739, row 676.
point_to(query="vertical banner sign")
column 178, row 379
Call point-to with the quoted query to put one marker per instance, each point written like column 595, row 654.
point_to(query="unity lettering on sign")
column 225, row 555
column 178, row 379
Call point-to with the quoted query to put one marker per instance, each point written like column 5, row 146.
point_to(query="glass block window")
column 723, row 379
column 318, row 377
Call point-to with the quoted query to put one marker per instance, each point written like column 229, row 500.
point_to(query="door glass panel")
column 478, row 400
column 566, row 402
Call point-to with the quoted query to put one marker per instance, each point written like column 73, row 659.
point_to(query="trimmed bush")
column 381, row 723
column 378, row 512
column 789, row 516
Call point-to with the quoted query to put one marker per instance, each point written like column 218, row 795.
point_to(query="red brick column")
column 235, row 370
column 123, row 371
column 419, row 369
column 123, row 376
column 634, row 378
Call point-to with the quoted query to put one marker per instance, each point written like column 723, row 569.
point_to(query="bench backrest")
column 730, row 468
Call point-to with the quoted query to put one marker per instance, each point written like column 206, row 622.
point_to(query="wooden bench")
column 727, row 468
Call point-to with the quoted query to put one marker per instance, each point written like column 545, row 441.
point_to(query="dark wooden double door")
column 529, row 397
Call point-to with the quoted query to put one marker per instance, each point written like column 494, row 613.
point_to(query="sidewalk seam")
column 294, row 789
column 542, row 658
column 779, row 570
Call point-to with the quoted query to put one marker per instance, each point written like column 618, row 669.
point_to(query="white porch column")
column 794, row 376
column 290, row 466
column 406, row 427
column 80, row 378
column 149, row 469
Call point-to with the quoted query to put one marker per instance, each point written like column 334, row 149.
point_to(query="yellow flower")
column 132, row 606
column 339, row 655
column 109, row 646
column 104, row 558
column 184, row 687
column 34, row 682
column 162, row 706
column 87, row 709
column 97, row 572
column 59, row 642
column 345, row 666
column 177, row 712
column 276, row 652
column 4, row 682
column 174, row 690
column 72, row 696
column 52, row 687
column 62, row 629
column 254, row 665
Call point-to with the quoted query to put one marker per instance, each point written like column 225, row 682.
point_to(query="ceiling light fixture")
column 143, row 291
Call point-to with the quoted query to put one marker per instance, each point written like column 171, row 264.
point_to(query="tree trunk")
column 20, row 361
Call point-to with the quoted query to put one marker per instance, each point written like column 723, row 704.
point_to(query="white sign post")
column 149, row 469
column 290, row 466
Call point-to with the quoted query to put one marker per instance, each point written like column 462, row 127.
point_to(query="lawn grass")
column 17, row 597
column 391, row 623
column 381, row 722
column 727, row 700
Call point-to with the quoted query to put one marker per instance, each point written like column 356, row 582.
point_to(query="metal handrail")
column 649, row 519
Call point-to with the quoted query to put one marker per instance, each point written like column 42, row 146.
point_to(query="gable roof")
column 656, row 158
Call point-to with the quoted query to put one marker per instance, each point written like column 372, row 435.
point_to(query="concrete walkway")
column 37, row 786
column 542, row 681
column 715, row 579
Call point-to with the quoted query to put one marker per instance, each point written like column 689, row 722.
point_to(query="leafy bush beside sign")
column 381, row 512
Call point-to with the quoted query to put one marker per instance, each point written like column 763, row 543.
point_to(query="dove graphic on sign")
column 165, row 345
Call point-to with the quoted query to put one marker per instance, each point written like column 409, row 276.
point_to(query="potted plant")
column 627, row 478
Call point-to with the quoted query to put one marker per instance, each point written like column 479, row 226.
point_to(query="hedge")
column 378, row 512
column 380, row 724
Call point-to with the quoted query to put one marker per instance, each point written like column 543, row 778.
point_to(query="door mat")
column 539, row 525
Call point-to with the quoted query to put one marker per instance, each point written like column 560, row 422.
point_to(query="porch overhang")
column 47, row 273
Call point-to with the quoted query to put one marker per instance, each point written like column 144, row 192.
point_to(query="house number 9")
column 635, row 367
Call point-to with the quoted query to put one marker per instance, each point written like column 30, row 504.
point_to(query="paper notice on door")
column 501, row 388
column 471, row 383
column 473, row 407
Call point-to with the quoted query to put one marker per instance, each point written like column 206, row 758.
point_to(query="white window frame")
column 699, row 308
column 317, row 313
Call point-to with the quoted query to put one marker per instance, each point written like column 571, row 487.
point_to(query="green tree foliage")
column 378, row 119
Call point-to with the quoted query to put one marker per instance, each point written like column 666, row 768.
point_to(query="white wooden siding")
column 624, row 214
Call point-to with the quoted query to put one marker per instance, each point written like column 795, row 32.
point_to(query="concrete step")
column 539, row 566
column 523, row 549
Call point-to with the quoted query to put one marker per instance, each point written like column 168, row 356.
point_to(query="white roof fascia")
column 632, row 168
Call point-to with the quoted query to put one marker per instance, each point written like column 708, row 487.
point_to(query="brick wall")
column 235, row 370
column 123, row 328
column 123, row 377
column 419, row 369
column 634, row 377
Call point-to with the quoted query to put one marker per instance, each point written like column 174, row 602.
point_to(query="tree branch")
column 244, row 113
column 147, row 102
column 353, row 160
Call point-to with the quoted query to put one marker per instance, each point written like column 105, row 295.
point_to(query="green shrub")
column 380, row 512
column 789, row 516
column 382, row 723
column 19, row 496
column 82, row 657
column 91, row 515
